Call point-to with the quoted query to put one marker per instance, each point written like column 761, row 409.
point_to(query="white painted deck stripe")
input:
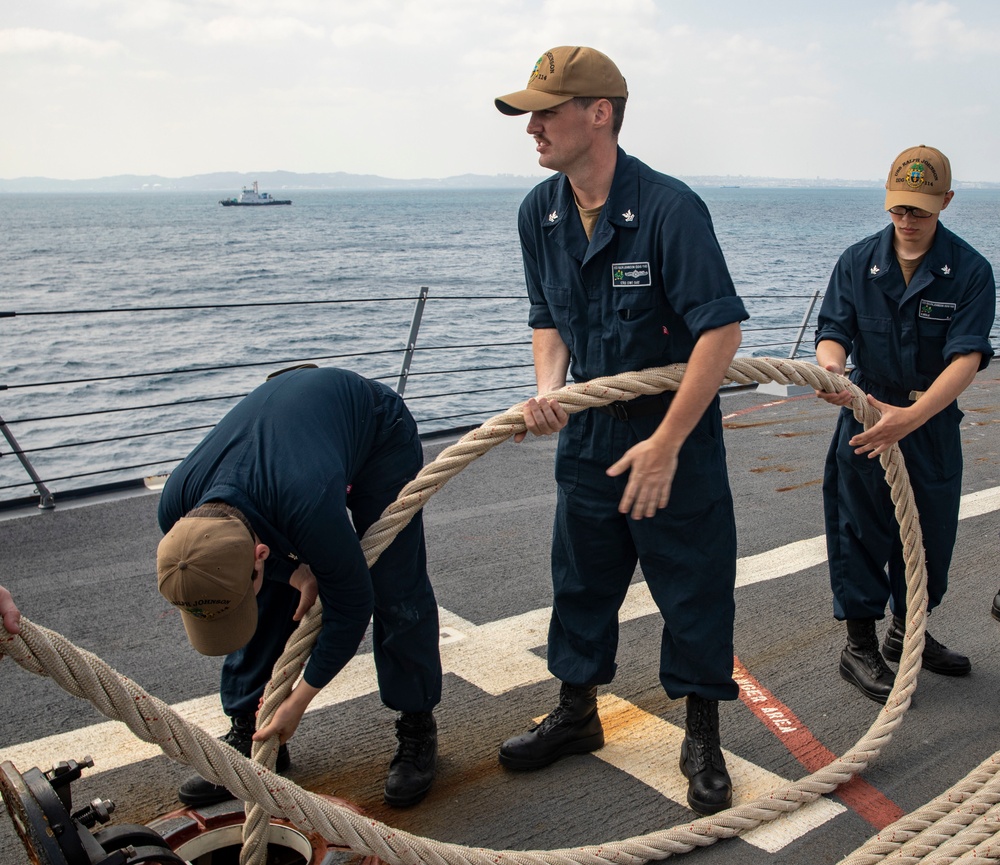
column 647, row 748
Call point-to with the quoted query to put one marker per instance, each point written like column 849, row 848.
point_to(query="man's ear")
column 261, row 552
column 602, row 112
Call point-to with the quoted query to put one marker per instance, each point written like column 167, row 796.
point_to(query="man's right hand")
column 841, row 397
column 542, row 417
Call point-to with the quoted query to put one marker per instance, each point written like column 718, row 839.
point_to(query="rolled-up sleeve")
column 970, row 327
column 715, row 313
column 837, row 319
column 539, row 315
column 696, row 278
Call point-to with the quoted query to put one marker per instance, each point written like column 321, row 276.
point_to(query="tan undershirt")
column 909, row 266
column 588, row 216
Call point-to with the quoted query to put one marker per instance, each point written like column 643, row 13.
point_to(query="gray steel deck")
column 88, row 572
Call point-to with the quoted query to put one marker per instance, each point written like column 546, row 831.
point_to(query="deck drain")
column 213, row 835
column 285, row 846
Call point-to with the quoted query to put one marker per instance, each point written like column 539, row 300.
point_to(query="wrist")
column 666, row 441
column 302, row 694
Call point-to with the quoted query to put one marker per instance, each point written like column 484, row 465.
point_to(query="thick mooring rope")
column 83, row 674
column 961, row 820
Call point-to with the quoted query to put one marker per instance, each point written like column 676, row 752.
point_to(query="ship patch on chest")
column 936, row 309
column 631, row 274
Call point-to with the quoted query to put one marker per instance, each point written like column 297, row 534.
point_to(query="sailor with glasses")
column 912, row 306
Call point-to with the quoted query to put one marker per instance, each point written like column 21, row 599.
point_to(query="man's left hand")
column 286, row 718
column 651, row 473
column 284, row 723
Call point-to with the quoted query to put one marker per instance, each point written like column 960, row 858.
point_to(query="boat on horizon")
column 252, row 198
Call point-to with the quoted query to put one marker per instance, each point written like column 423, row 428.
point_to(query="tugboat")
column 252, row 198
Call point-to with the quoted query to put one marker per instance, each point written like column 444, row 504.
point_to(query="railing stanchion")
column 803, row 326
column 46, row 501
column 411, row 340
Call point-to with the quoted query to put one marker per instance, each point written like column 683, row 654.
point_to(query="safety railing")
column 109, row 429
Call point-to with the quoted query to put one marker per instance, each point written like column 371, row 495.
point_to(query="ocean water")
column 129, row 308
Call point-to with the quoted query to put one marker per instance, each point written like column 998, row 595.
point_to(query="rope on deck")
column 81, row 673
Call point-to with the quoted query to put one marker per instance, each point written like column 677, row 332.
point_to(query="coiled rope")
column 85, row 675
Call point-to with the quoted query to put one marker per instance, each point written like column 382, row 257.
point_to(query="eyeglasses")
column 903, row 209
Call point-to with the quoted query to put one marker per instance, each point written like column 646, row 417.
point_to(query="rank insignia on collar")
column 874, row 270
column 553, row 216
column 629, row 215
column 946, row 270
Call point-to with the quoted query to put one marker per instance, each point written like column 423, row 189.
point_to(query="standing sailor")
column 913, row 306
column 624, row 272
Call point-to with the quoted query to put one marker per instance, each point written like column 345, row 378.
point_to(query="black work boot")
column 411, row 771
column 573, row 727
column 936, row 657
column 862, row 665
column 710, row 788
column 198, row 792
column 996, row 607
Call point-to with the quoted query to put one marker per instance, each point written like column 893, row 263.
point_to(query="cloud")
column 405, row 87
column 156, row 15
column 30, row 40
column 256, row 34
column 933, row 28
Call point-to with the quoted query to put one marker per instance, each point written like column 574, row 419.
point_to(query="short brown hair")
column 220, row 510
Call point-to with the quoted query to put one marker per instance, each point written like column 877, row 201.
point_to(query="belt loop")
column 620, row 410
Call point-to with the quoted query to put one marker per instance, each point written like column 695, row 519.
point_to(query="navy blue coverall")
column 900, row 338
column 637, row 295
column 294, row 456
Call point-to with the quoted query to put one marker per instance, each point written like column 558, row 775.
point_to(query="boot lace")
column 876, row 663
column 414, row 740
column 240, row 735
column 932, row 644
column 704, row 747
column 557, row 716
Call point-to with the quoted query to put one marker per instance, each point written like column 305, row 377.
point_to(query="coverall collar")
column 939, row 262
column 621, row 210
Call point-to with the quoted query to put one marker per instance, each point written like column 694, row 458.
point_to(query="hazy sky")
column 91, row 88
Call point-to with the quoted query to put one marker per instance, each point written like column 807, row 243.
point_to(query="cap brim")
column 932, row 203
column 226, row 634
column 526, row 101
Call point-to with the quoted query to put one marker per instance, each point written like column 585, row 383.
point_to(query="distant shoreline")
column 288, row 181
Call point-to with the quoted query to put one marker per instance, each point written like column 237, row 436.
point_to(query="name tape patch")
column 936, row 310
column 631, row 273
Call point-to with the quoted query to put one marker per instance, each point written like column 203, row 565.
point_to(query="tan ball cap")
column 561, row 74
column 204, row 567
column 919, row 177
